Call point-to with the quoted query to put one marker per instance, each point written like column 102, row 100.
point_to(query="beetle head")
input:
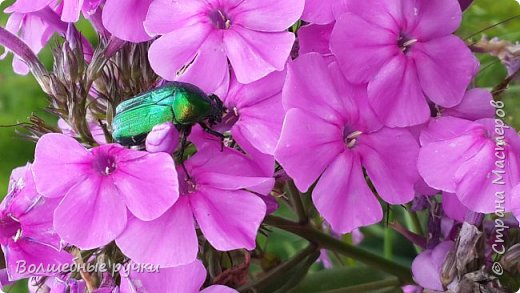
column 217, row 110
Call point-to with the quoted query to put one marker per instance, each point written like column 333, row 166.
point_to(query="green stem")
column 296, row 202
column 387, row 244
column 368, row 287
column 414, row 224
column 328, row 242
column 281, row 270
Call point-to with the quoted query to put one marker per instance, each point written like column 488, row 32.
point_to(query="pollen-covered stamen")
column 187, row 185
column 18, row 235
column 105, row 165
column 405, row 43
column 191, row 185
column 351, row 138
column 229, row 119
column 219, row 19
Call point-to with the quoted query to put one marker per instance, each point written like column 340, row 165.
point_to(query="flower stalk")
column 280, row 272
column 328, row 242
column 296, row 202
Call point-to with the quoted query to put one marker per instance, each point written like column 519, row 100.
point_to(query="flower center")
column 187, row 185
column 105, row 165
column 10, row 228
column 350, row 137
column 230, row 118
column 405, row 43
column 220, row 19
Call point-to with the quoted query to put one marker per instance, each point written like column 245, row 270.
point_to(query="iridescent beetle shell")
column 182, row 103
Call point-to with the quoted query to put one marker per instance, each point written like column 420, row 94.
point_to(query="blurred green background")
column 20, row 96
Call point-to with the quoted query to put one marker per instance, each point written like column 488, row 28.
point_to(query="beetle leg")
column 215, row 133
column 184, row 144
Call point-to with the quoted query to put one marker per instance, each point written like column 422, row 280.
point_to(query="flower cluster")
column 354, row 104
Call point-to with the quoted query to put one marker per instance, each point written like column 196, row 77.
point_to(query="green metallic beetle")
column 182, row 103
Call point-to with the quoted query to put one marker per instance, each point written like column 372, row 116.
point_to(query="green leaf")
column 347, row 279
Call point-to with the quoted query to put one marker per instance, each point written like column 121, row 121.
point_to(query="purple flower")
column 325, row 134
column 56, row 284
column 218, row 195
column 412, row 289
column 198, row 38
column 316, row 38
column 474, row 106
column 318, row 11
column 465, row 157
column 406, row 53
column 26, row 6
column 98, row 186
column 427, row 266
column 26, row 234
column 255, row 112
column 163, row 138
column 515, row 201
column 124, row 19
column 35, row 29
column 465, row 4
column 70, row 10
column 452, row 207
column 187, row 279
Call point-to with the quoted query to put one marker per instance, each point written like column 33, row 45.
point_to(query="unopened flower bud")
column 163, row 138
column 511, row 260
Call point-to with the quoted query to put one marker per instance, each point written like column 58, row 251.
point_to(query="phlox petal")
column 172, row 51
column 228, row 219
column 390, row 157
column 267, row 15
column 89, row 220
column 252, row 54
column 343, row 198
column 445, row 67
column 168, row 241
column 395, row 94
column 187, row 278
column 69, row 164
column 147, row 195
column 124, row 19
column 361, row 48
column 307, row 146
column 426, row 267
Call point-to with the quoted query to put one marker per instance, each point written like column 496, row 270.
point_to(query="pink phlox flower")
column 35, row 29
column 326, row 137
column 70, row 10
column 473, row 159
column 426, row 267
column 406, row 52
column 27, row 236
column 197, row 38
column 100, row 186
column 221, row 196
column 187, row 278
column 255, row 112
